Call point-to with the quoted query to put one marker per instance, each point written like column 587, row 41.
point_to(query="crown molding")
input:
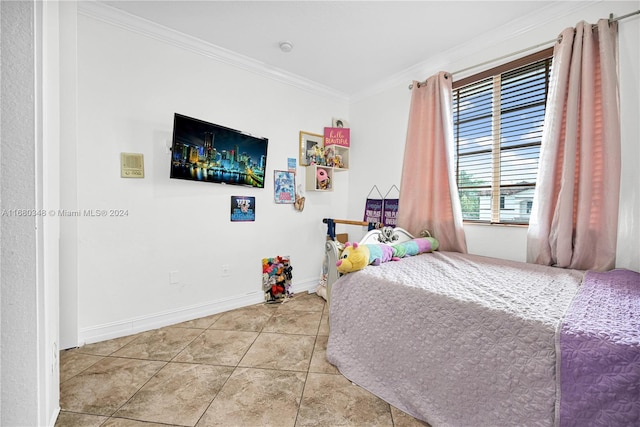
column 519, row 27
column 544, row 16
column 129, row 22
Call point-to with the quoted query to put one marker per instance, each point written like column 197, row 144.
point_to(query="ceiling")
column 346, row 46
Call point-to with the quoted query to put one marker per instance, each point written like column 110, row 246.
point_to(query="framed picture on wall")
column 339, row 123
column 310, row 147
column 243, row 208
column 284, row 186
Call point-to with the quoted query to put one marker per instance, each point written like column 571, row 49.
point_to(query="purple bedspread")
column 600, row 348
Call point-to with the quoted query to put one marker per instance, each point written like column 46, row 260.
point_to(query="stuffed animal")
column 318, row 155
column 337, row 161
column 329, row 155
column 415, row 246
column 276, row 278
column 322, row 178
column 355, row 257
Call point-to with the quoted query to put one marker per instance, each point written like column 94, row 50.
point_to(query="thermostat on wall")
column 131, row 165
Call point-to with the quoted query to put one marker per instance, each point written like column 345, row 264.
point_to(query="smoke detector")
column 286, row 46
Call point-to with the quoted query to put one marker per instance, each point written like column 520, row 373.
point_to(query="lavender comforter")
column 600, row 348
column 453, row 339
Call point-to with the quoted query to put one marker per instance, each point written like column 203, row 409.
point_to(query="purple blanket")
column 600, row 348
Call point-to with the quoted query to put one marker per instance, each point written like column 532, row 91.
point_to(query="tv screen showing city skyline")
column 203, row 151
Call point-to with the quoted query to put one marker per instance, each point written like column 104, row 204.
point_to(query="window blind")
column 498, row 122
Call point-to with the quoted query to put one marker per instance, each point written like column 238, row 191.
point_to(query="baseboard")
column 170, row 317
column 54, row 417
column 308, row 286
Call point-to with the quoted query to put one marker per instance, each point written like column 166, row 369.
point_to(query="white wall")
column 68, row 261
column 18, row 272
column 48, row 155
column 379, row 120
column 29, row 239
column 128, row 88
column 628, row 253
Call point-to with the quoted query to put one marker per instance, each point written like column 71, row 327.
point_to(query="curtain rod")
column 611, row 19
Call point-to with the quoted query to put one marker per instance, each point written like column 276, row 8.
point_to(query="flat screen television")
column 203, row 151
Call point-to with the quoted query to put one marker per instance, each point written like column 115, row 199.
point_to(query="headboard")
column 384, row 235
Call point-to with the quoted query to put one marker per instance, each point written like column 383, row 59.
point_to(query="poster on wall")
column 284, row 183
column 390, row 207
column 337, row 136
column 390, row 211
column 373, row 206
column 243, row 208
column 292, row 164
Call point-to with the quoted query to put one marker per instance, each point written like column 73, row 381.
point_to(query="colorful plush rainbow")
column 356, row 257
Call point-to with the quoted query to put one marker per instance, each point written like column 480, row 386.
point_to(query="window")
column 497, row 120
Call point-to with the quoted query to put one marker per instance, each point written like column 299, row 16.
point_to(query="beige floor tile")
column 303, row 302
column 332, row 400
column 324, row 324
column 319, row 362
column 106, row 348
column 256, row 397
column 272, row 357
column 70, row 419
column 159, row 344
column 72, row 363
column 124, row 422
column 201, row 323
column 280, row 351
column 294, row 322
column 401, row 419
column 218, row 347
column 251, row 318
column 178, row 394
column 105, row 386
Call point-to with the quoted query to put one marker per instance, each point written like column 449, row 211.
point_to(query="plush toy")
column 329, row 155
column 318, row 155
column 337, row 161
column 311, row 154
column 276, row 278
column 415, row 246
column 355, row 257
column 322, row 178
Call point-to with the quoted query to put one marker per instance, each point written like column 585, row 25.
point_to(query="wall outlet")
column 226, row 270
column 173, row 278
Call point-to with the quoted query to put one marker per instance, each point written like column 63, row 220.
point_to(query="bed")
column 465, row 340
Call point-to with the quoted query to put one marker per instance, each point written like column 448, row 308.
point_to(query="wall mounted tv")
column 203, row 151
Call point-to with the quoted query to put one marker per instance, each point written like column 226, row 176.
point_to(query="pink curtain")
column 574, row 219
column 428, row 191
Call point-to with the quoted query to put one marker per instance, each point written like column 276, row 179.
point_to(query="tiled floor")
column 262, row 365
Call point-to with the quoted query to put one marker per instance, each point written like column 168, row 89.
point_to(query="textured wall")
column 19, row 385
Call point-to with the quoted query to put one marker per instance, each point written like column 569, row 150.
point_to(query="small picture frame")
column 339, row 123
column 310, row 148
column 292, row 164
column 243, row 208
column 284, row 187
